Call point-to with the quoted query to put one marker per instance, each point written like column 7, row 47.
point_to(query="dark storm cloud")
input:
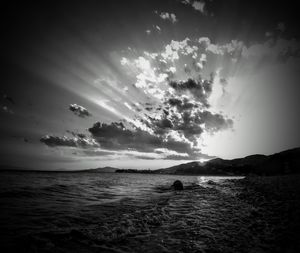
column 165, row 123
column 79, row 110
column 116, row 136
column 184, row 125
column 200, row 90
column 83, row 141
column 181, row 105
column 192, row 124
column 160, row 126
column 190, row 121
column 80, row 135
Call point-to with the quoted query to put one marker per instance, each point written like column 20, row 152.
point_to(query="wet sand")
column 255, row 214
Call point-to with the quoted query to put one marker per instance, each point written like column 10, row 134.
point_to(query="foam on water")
column 202, row 180
column 91, row 212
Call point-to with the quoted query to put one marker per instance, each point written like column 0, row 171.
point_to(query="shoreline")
column 254, row 214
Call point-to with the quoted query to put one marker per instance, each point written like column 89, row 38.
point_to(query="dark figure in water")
column 178, row 186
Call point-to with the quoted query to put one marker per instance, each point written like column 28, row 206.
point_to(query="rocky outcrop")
column 178, row 185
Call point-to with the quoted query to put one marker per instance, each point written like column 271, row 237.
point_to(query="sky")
column 147, row 84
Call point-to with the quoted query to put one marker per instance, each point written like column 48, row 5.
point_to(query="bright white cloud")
column 128, row 106
column 173, row 49
column 124, row 61
column 158, row 28
column 180, row 60
column 199, row 6
column 168, row 16
column 172, row 69
column 259, row 95
column 203, row 58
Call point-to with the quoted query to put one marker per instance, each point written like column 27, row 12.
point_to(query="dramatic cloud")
column 189, row 122
column 181, row 91
column 176, row 128
column 176, row 123
column 178, row 112
column 79, row 110
column 180, row 109
column 116, row 136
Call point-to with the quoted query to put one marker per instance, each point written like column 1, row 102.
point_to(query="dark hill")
column 101, row 170
column 286, row 162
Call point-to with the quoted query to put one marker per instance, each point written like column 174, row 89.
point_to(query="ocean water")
column 112, row 212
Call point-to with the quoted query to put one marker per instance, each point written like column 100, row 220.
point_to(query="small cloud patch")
column 79, row 110
column 77, row 140
column 199, row 6
column 168, row 16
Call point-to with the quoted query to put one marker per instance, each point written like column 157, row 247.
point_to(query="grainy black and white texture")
column 129, row 83
column 155, row 91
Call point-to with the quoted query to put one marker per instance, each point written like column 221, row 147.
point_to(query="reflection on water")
column 104, row 212
column 202, row 180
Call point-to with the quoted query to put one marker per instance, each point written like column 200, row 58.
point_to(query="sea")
column 109, row 212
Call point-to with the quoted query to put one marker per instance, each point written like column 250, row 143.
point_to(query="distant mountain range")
column 286, row 162
column 5, row 168
column 106, row 169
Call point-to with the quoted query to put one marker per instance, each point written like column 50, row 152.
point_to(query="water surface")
column 105, row 212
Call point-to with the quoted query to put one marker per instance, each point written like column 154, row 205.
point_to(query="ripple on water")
column 131, row 214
